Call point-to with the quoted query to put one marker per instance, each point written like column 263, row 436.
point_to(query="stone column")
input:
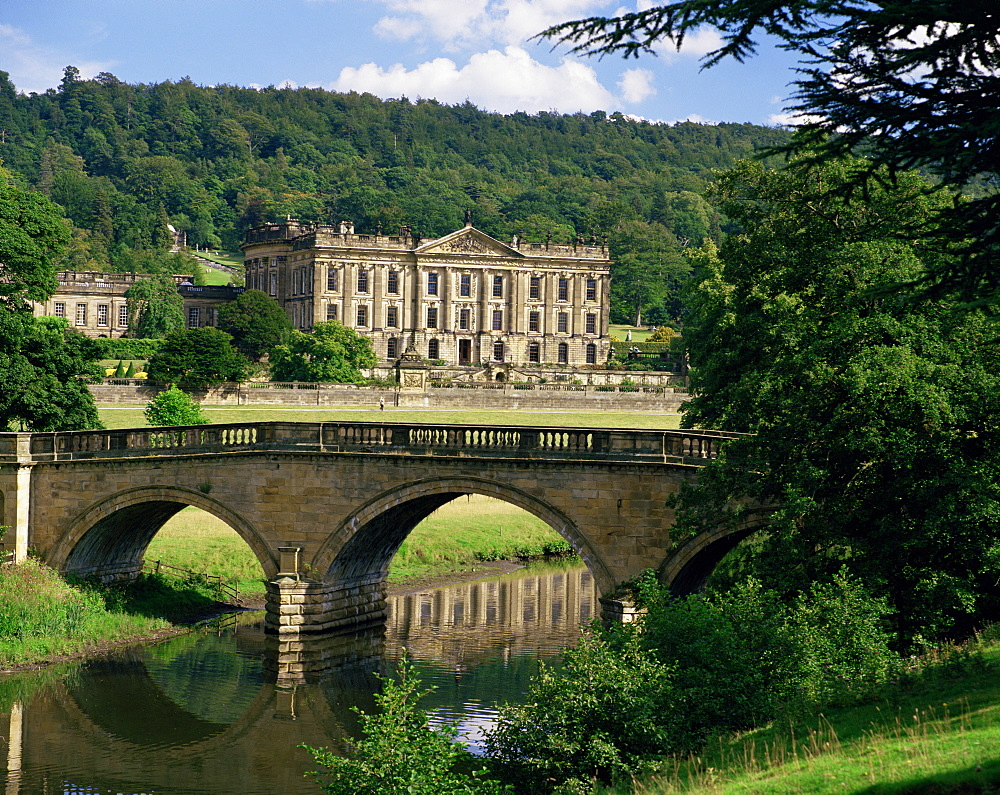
column 306, row 607
column 619, row 610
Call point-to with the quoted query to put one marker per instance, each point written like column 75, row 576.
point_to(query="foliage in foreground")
column 399, row 754
column 935, row 731
column 873, row 417
column 693, row 668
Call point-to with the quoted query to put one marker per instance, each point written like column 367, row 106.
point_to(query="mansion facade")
column 94, row 302
column 465, row 298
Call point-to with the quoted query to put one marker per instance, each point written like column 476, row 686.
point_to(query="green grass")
column 44, row 616
column 455, row 538
column 938, row 732
column 132, row 417
column 638, row 334
column 470, row 530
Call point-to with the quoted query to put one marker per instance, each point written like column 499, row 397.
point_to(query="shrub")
column 692, row 668
column 173, row 407
column 399, row 754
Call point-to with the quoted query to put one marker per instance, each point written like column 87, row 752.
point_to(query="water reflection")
column 225, row 711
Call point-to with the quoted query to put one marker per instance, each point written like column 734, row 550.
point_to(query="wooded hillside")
column 123, row 160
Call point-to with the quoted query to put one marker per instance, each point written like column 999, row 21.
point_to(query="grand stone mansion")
column 465, row 298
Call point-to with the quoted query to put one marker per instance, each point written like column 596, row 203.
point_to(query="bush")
column 173, row 407
column 399, row 754
column 692, row 668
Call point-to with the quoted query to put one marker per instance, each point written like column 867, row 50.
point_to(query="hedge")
column 127, row 348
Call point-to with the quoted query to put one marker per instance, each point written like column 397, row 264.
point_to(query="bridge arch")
column 361, row 548
column 692, row 563
column 109, row 538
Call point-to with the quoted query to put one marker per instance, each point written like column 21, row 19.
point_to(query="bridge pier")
column 306, row 607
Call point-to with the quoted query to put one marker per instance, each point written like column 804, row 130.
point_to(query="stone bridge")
column 325, row 506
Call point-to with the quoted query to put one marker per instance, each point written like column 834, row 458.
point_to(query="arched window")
column 392, row 348
column 534, row 352
column 434, row 349
column 591, row 354
column 563, row 353
column 498, row 351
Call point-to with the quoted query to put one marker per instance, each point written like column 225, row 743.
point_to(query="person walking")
column 381, row 404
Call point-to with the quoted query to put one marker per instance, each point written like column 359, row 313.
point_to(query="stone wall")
column 439, row 394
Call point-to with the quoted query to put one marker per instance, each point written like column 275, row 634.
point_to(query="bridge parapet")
column 693, row 447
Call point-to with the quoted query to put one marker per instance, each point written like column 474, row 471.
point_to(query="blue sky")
column 449, row 50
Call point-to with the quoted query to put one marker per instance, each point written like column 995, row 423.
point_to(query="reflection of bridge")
column 325, row 506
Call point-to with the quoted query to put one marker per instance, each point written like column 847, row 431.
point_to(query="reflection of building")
column 94, row 303
column 465, row 298
column 464, row 624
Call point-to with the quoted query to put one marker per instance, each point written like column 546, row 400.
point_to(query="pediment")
column 469, row 241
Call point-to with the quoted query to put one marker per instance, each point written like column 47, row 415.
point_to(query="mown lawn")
column 132, row 417
column 454, row 538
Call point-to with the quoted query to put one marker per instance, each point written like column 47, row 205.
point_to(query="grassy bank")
column 44, row 617
column 454, row 538
column 132, row 417
column 938, row 731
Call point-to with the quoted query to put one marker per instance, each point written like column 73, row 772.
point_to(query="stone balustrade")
column 386, row 438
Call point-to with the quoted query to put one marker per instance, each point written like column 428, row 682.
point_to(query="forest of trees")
column 124, row 160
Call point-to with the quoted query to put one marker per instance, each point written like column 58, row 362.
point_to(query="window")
column 392, row 348
column 363, row 281
column 102, row 314
column 564, row 289
column 498, row 286
column 562, row 354
column 392, row 317
column 432, row 317
column 591, row 354
column 331, row 280
column 465, row 285
column 498, row 351
column 60, row 309
column 432, row 284
column 497, row 324
column 562, row 322
column 534, row 352
column 296, row 281
column 591, row 289
column 362, row 316
column 533, row 321
column 194, row 317
column 331, row 311
column 274, row 284
column 535, row 287
column 81, row 314
column 591, row 324
column 392, row 283
column 433, row 349
column 123, row 316
column 464, row 316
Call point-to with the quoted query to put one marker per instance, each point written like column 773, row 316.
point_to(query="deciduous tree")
column 332, row 352
column 256, row 321
column 198, row 358
column 155, row 308
column 876, row 440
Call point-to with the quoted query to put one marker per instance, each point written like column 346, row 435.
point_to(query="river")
column 207, row 712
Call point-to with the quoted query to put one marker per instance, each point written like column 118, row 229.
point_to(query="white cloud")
column 636, row 85
column 503, row 81
column 463, row 25
column 791, row 119
column 33, row 67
